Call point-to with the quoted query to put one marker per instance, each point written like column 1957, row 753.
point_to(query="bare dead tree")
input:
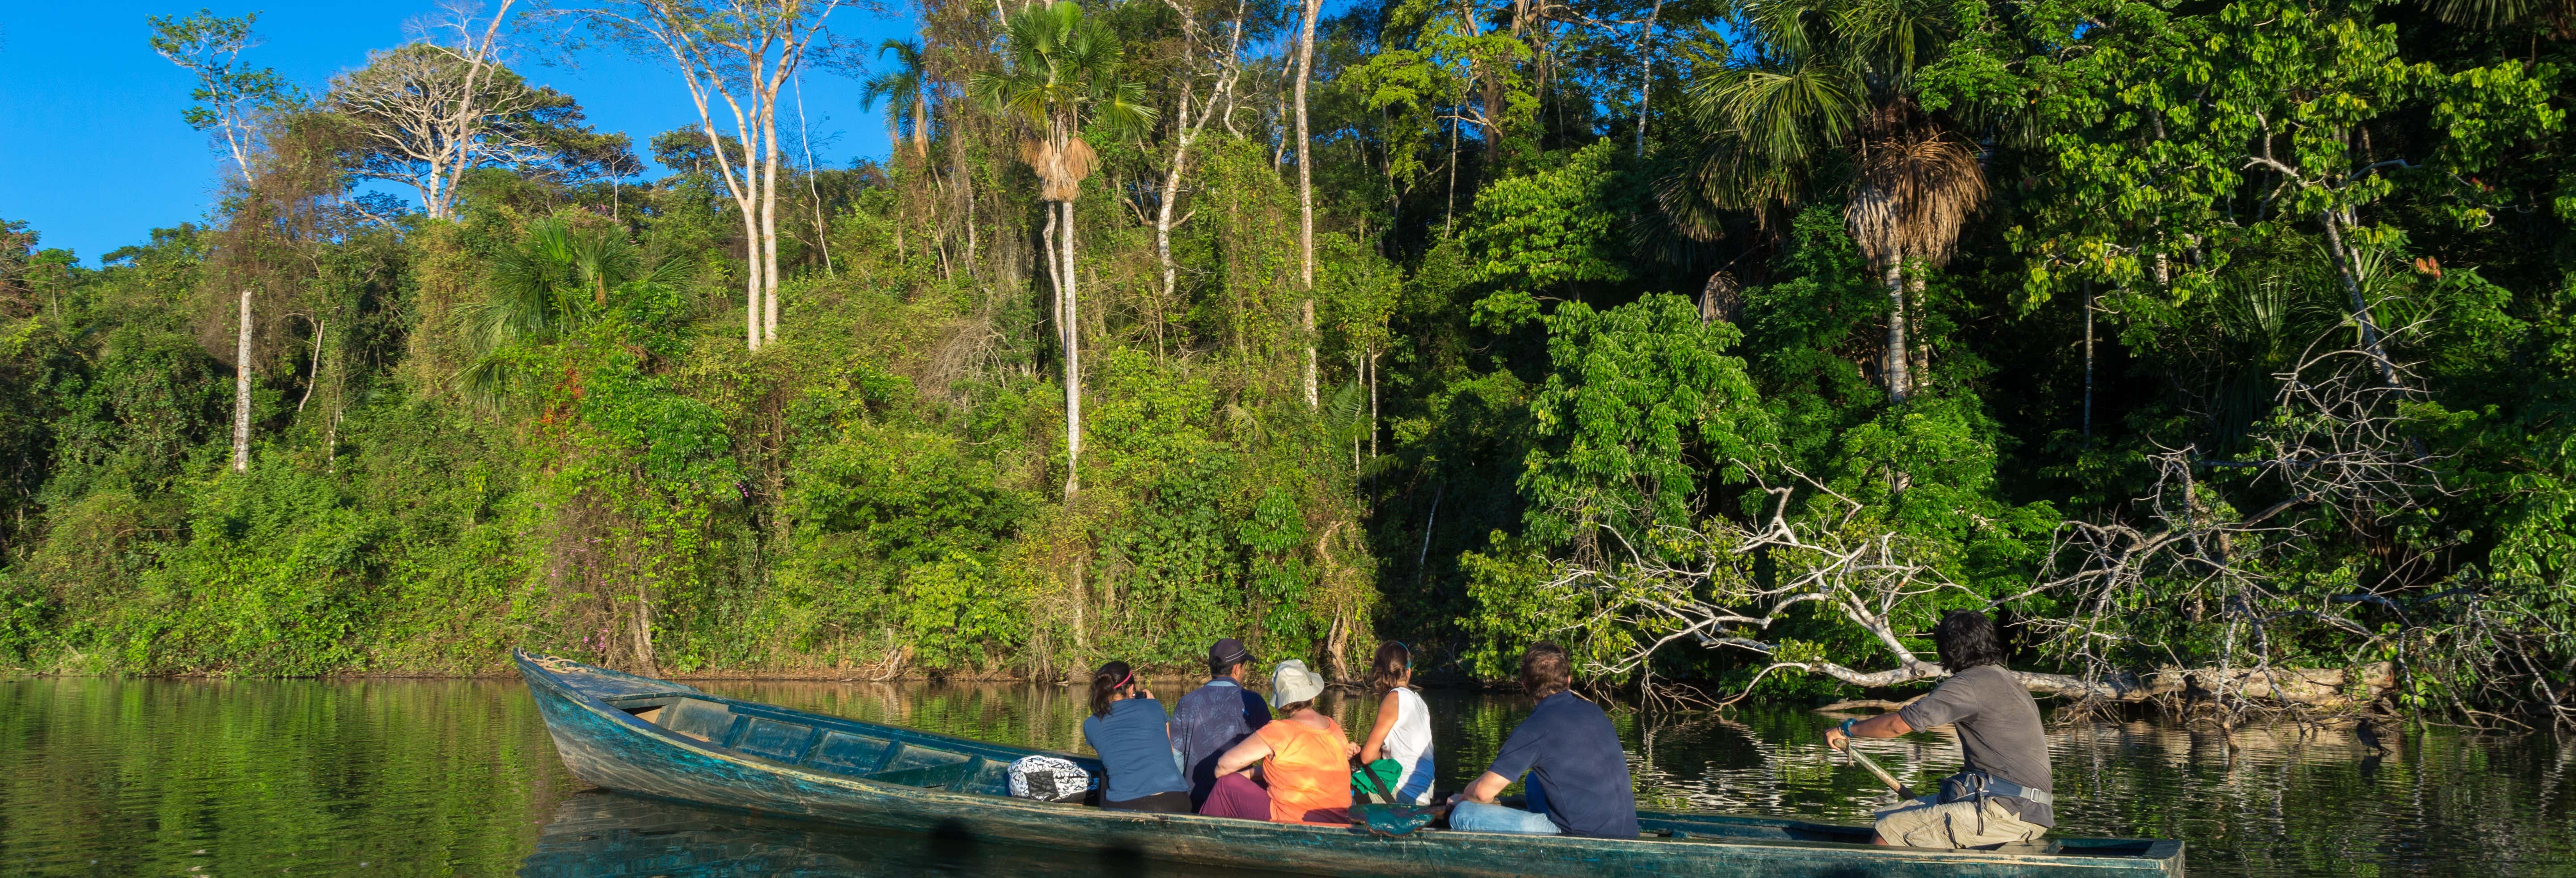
column 735, row 56
column 440, row 106
column 1223, row 71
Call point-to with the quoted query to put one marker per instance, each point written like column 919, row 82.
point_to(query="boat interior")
column 825, row 744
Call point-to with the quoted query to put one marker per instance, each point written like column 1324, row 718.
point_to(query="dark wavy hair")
column 1393, row 660
column 1967, row 639
column 1107, row 681
column 1546, row 669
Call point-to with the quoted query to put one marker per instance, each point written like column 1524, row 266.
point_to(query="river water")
column 457, row 777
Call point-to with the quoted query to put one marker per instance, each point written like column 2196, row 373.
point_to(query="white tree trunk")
column 1646, row 72
column 241, row 388
column 751, row 284
column 1072, row 366
column 1900, row 383
column 1306, row 193
column 769, row 219
column 1172, row 193
column 1055, row 275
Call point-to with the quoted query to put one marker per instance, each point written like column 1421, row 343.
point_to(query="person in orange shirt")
column 1304, row 755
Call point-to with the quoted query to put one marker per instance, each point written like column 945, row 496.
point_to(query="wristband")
column 1847, row 727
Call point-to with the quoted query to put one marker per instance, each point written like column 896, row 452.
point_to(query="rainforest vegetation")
column 2225, row 350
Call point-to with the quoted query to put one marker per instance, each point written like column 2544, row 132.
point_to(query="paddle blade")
column 1392, row 819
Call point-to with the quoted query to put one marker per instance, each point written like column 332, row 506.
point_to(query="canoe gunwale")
column 858, row 800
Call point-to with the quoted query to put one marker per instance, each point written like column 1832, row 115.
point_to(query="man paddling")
column 1215, row 717
column 2004, row 795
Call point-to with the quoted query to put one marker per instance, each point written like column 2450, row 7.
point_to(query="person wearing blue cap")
column 1213, row 718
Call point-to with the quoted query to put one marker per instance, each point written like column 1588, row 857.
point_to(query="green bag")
column 1383, row 816
column 1378, row 779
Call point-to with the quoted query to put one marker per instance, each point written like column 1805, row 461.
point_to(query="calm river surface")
column 398, row 777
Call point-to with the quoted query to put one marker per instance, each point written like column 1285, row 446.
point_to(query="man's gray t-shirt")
column 1999, row 731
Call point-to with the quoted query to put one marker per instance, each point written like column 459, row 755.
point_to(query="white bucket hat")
column 1291, row 683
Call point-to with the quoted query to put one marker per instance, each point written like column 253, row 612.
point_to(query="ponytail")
column 1107, row 681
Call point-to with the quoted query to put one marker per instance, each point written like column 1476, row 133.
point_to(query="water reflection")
column 597, row 834
column 124, row 777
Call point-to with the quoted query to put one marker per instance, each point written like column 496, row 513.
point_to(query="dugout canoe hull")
column 654, row 738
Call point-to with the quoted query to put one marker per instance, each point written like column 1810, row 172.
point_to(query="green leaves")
column 2173, row 134
column 1546, row 231
column 1641, row 411
column 228, row 92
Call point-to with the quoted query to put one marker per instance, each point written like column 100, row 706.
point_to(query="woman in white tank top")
column 1403, row 729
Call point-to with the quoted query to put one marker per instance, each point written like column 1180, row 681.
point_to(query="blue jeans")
column 1481, row 817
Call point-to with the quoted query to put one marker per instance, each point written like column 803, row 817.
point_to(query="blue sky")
column 93, row 154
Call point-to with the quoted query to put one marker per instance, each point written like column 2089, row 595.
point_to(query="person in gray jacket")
column 2004, row 794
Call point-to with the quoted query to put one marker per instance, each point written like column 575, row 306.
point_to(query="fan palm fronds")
column 1059, row 70
column 555, row 281
column 1918, row 185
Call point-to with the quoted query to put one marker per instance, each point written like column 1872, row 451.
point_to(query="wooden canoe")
column 653, row 738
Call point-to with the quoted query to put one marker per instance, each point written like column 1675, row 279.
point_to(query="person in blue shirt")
column 1128, row 729
column 1213, row 718
column 1578, row 775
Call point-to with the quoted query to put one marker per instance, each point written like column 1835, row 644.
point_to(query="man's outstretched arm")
column 1885, row 725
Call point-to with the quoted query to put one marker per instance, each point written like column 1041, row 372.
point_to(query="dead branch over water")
column 2208, row 547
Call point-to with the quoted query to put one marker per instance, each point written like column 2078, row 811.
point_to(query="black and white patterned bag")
column 1050, row 779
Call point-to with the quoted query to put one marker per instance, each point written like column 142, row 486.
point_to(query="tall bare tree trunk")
column 1072, row 367
column 241, row 388
column 2088, row 359
column 643, row 628
column 813, row 189
column 1646, row 72
column 751, row 283
column 1055, row 277
column 1306, row 194
column 1899, row 383
column 1918, row 354
column 1449, row 208
column 769, row 222
column 1185, row 132
column 2348, row 268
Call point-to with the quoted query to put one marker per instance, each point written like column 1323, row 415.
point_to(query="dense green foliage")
column 1963, row 279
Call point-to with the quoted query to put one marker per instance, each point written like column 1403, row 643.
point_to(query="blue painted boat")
column 667, row 740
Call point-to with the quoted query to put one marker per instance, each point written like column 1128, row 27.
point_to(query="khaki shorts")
column 1926, row 823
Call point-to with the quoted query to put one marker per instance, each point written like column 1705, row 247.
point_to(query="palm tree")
column 1823, row 80
column 1060, row 69
column 558, row 279
column 905, row 90
column 1918, row 184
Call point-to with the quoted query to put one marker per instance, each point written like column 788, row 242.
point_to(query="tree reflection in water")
column 598, row 833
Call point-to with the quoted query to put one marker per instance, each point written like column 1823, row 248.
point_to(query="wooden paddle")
column 1883, row 777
